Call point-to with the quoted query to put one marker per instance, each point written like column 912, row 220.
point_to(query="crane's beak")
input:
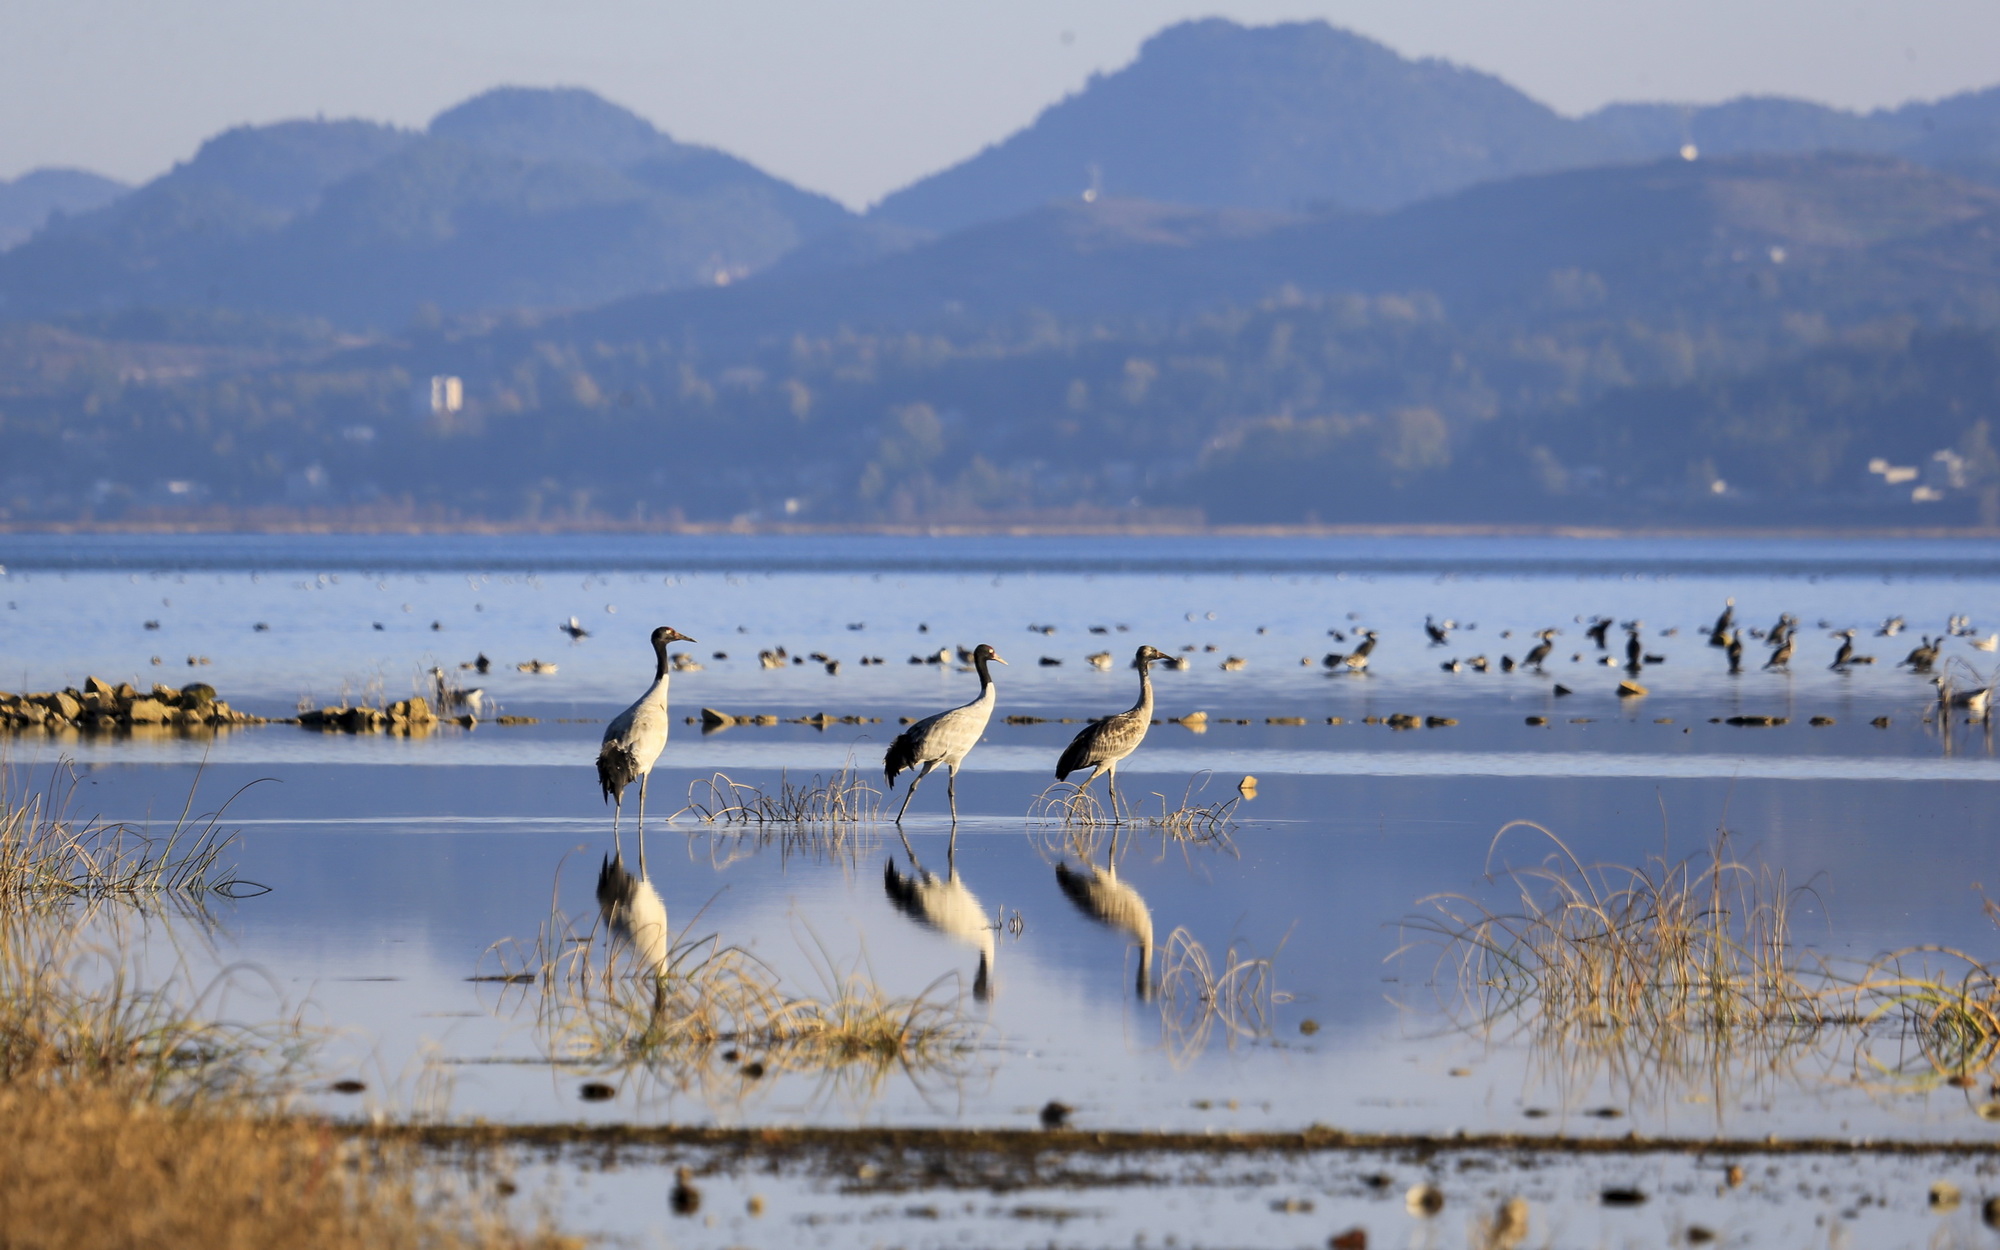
column 677, row 636
column 997, row 659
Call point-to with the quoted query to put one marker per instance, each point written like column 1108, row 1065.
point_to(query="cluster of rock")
column 99, row 705
column 405, row 716
column 711, row 720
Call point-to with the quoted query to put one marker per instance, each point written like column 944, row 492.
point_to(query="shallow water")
column 396, row 865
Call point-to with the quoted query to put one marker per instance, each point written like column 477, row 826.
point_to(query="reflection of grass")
column 715, row 1016
column 45, row 856
column 1675, row 977
column 1199, row 996
column 75, row 1011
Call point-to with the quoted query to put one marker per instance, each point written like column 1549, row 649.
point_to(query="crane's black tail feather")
column 617, row 767
column 902, row 755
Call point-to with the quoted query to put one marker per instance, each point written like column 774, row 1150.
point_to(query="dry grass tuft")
column 845, row 798
column 1679, row 976
column 1071, row 817
column 46, row 856
column 1200, row 997
column 86, row 1168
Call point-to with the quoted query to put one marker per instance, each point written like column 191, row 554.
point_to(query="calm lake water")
column 396, row 865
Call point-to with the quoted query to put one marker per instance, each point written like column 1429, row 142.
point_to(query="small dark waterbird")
column 1101, row 746
column 945, row 738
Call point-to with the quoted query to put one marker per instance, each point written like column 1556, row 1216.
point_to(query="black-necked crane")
column 1734, row 650
column 1100, row 895
column 1101, row 746
column 1599, row 626
column 946, row 905
column 634, row 739
column 574, row 628
column 1635, row 650
column 945, row 738
column 1438, row 634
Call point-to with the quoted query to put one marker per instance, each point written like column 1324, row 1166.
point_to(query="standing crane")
column 945, row 738
column 634, row 739
column 1102, row 745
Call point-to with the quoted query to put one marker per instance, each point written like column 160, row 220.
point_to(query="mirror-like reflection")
column 1100, row 895
column 945, row 905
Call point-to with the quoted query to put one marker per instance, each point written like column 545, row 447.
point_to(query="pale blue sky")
column 858, row 97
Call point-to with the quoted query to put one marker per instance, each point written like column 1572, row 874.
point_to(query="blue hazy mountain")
column 1305, row 116
column 517, row 198
column 1281, row 118
column 28, row 201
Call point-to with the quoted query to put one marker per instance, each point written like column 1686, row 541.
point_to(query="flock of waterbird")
column 635, row 738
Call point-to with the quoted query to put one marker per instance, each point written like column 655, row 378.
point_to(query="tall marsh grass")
column 46, row 855
column 1678, row 977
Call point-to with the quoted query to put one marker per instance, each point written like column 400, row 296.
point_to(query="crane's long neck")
column 1145, row 704
column 658, row 690
column 985, row 676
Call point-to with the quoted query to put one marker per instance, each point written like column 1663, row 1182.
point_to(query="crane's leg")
column 951, row 792
column 617, row 809
column 643, row 778
column 1111, row 780
column 911, row 795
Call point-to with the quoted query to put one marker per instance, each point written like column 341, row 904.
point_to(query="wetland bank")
column 1295, row 1042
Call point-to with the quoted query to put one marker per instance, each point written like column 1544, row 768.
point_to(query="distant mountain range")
column 27, row 202
column 1312, row 280
column 1303, row 117
column 518, row 198
column 555, row 198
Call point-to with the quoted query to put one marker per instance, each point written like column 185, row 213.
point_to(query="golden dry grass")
column 1073, row 819
column 842, row 799
column 1681, row 978
column 139, row 1115
column 47, row 856
column 87, row 1168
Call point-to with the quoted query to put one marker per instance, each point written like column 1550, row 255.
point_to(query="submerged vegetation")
column 844, row 798
column 1077, row 814
column 1683, row 977
column 708, row 1016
